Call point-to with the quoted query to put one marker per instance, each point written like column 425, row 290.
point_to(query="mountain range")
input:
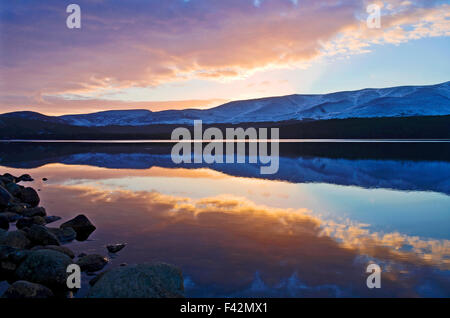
column 403, row 101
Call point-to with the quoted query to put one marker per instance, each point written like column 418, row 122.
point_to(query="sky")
column 176, row 54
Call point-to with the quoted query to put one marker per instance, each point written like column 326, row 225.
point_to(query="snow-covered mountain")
column 401, row 101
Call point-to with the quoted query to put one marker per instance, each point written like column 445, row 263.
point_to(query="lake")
column 308, row 231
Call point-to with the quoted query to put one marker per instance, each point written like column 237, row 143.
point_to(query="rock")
column 115, row 247
column 4, row 222
column 139, row 281
column 17, row 208
column 45, row 267
column 64, row 235
column 13, row 189
column 44, row 179
column 61, row 249
column 51, row 219
column 92, row 263
column 23, row 289
column 28, row 222
column 5, row 197
column 8, row 178
column 29, row 196
column 81, row 225
column 40, row 235
column 7, row 268
column 97, row 277
column 16, row 239
column 36, row 211
column 11, row 216
column 25, row 178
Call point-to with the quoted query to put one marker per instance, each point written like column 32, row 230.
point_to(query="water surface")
column 308, row 231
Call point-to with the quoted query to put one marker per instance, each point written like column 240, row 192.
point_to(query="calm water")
column 309, row 230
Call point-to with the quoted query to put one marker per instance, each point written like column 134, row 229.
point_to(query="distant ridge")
column 402, row 101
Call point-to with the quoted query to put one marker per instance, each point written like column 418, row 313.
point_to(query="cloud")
column 149, row 43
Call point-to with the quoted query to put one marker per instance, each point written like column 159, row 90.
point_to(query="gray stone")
column 23, row 289
column 140, row 281
column 81, row 225
column 92, row 263
column 40, row 235
column 45, row 267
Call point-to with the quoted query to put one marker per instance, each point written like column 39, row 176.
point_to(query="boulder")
column 17, row 207
column 139, row 281
column 40, row 235
column 36, row 211
column 61, row 249
column 11, row 216
column 16, row 239
column 64, row 235
column 29, row 222
column 5, row 197
column 82, row 226
column 45, row 267
column 23, row 289
column 30, row 196
column 114, row 248
column 8, row 178
column 4, row 222
column 92, row 263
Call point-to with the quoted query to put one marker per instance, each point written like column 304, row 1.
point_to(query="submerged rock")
column 25, row 178
column 29, row 195
column 92, row 263
column 114, row 248
column 140, row 281
column 64, row 235
column 81, row 225
column 45, row 267
column 24, row 289
column 40, row 235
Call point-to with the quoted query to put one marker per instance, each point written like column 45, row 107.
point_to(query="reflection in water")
column 242, row 243
column 307, row 232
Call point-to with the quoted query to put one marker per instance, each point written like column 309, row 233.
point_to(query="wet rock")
column 25, row 178
column 23, row 289
column 16, row 239
column 13, row 189
column 44, row 179
column 81, row 225
column 36, row 211
column 92, row 263
column 114, row 248
column 61, row 249
column 139, row 281
column 64, row 235
column 51, row 219
column 45, row 267
column 29, row 196
column 5, row 197
column 11, row 216
column 40, row 235
column 4, row 222
column 8, row 178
